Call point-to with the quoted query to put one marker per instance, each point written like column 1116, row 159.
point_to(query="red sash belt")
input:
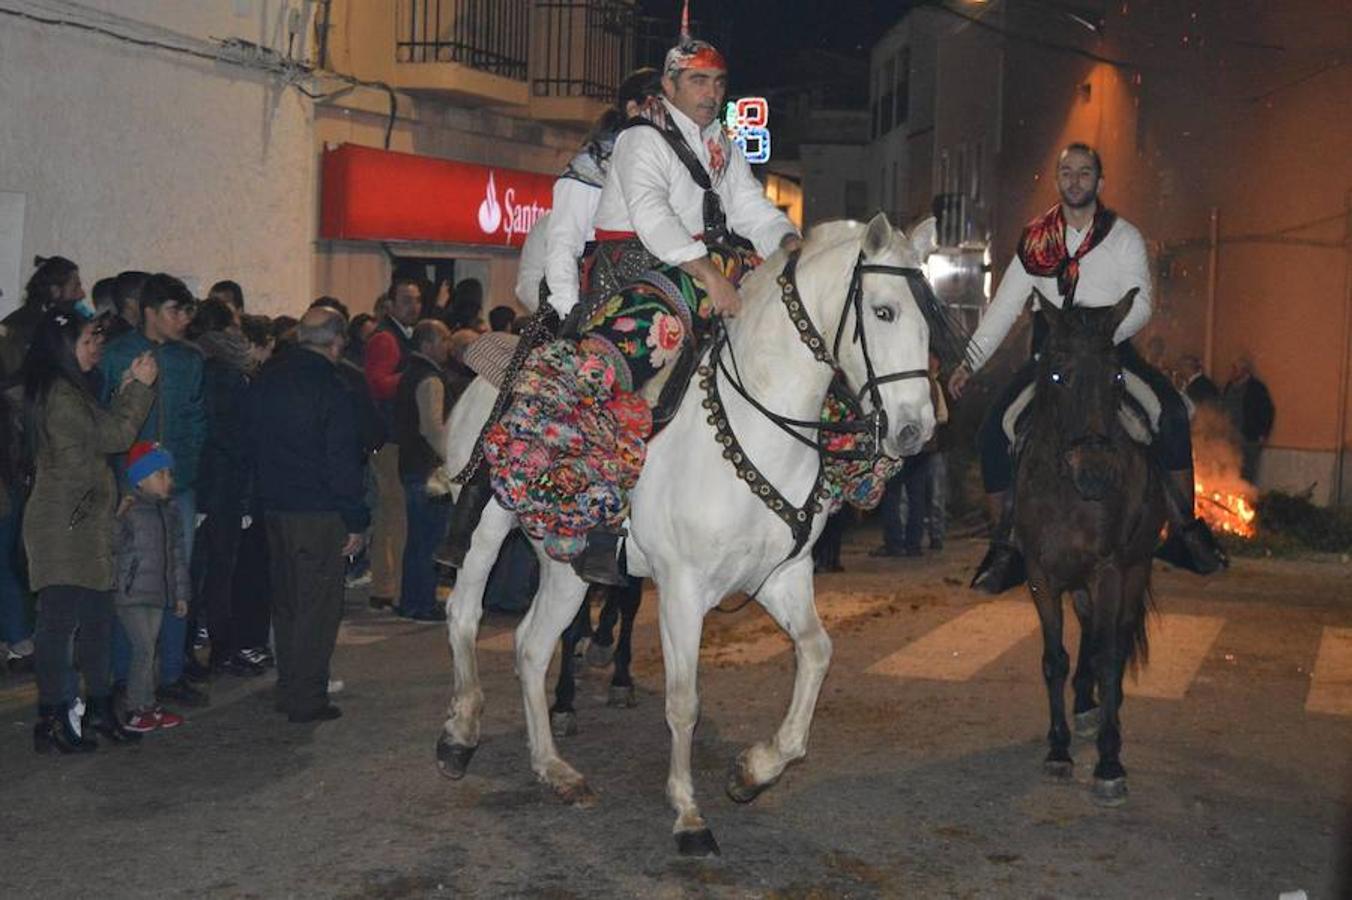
column 603, row 234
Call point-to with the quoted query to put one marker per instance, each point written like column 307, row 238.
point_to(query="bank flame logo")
column 490, row 213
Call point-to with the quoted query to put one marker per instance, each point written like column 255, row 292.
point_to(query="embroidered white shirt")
column 1118, row 264
column 649, row 191
column 570, row 228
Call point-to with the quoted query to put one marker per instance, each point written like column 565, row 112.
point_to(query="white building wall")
column 137, row 158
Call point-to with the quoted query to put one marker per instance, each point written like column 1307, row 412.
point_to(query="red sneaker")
column 166, row 719
column 142, row 721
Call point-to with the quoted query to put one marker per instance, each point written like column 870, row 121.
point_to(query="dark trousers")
column 427, row 522
column 63, row 608
column 1173, row 444
column 915, row 475
column 218, row 547
column 306, row 552
column 251, row 602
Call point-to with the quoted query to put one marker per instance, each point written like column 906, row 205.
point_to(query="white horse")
column 696, row 528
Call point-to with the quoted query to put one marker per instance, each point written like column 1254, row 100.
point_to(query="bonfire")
column 1223, row 499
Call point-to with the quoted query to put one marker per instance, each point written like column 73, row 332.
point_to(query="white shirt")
column 531, row 267
column 1118, row 264
column 570, row 228
column 649, row 191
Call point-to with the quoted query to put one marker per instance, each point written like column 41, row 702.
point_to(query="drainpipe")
column 1345, row 365
column 1212, row 283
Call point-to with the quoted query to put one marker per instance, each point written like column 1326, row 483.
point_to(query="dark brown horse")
column 1088, row 516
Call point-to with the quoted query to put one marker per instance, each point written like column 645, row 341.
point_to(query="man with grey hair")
column 301, row 437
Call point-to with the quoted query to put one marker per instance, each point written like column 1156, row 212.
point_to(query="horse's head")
column 1079, row 392
column 882, row 339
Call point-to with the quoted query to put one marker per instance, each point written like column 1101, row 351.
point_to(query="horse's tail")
column 1142, row 610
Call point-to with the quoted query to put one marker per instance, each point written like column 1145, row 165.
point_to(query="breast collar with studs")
column 869, row 426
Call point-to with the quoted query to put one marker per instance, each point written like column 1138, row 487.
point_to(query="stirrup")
column 598, row 563
column 1001, row 568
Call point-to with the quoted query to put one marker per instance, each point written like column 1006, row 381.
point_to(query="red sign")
column 372, row 194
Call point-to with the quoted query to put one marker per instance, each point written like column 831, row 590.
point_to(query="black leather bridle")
column 871, row 426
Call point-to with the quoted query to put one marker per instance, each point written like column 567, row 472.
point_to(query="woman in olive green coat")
column 68, row 521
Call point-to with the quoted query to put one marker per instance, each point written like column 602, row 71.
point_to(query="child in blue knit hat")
column 152, row 576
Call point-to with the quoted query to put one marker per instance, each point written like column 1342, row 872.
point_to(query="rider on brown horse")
column 1079, row 253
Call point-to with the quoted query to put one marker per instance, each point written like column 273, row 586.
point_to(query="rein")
column 870, row 426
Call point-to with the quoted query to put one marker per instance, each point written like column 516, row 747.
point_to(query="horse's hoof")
column 741, row 789
column 563, row 724
column 453, row 759
column 600, row 655
column 1087, row 723
column 1058, row 768
column 1110, row 791
column 622, row 696
column 577, row 793
column 697, row 843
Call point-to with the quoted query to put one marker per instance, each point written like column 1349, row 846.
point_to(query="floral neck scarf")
column 1042, row 248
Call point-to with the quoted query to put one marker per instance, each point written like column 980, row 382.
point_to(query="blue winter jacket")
column 178, row 419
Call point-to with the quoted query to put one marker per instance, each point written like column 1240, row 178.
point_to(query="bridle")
column 869, row 427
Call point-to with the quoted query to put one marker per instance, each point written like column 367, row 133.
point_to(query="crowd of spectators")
column 186, row 488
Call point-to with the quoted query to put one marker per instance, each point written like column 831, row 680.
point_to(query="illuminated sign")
column 372, row 194
column 747, row 120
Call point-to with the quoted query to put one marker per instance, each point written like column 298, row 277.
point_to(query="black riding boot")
column 54, row 734
column 599, row 563
column 469, row 508
column 1190, row 544
column 101, row 717
column 1002, row 567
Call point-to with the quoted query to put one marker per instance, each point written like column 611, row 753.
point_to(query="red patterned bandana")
column 1042, row 248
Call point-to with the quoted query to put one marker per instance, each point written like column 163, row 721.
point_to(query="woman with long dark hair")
column 68, row 522
column 55, row 283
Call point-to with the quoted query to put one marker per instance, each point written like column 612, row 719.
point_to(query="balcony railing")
column 489, row 35
column 581, row 48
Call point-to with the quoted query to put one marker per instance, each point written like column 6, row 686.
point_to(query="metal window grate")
column 581, row 48
column 488, row 35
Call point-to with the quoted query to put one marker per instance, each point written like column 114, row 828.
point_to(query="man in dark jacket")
column 1249, row 405
column 178, row 422
column 1197, row 386
column 301, row 434
column 421, row 406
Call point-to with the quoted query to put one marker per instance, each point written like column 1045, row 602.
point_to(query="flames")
column 1222, row 498
column 1228, row 510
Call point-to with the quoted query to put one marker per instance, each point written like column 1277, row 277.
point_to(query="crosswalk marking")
column 1179, row 644
column 958, row 649
column 834, row 609
column 1331, row 687
column 502, row 642
column 357, row 636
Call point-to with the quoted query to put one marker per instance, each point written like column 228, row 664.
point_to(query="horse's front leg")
column 681, row 617
column 1086, row 709
column 789, row 599
column 460, row 735
column 1055, row 667
column 627, row 599
column 1111, row 632
column 556, row 604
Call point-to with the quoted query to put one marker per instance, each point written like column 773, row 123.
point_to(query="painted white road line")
column 1331, row 687
column 1179, row 644
column 357, row 636
column 834, row 609
column 958, row 649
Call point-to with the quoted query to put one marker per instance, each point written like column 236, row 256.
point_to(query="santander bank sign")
column 373, row 194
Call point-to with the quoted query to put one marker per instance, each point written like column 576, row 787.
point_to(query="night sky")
column 757, row 34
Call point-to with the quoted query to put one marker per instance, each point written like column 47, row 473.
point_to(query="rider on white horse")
column 679, row 221
column 1079, row 253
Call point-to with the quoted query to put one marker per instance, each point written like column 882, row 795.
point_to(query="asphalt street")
column 923, row 777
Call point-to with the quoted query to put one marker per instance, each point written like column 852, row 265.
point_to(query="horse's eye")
column 1056, row 378
column 1119, row 378
column 884, row 313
